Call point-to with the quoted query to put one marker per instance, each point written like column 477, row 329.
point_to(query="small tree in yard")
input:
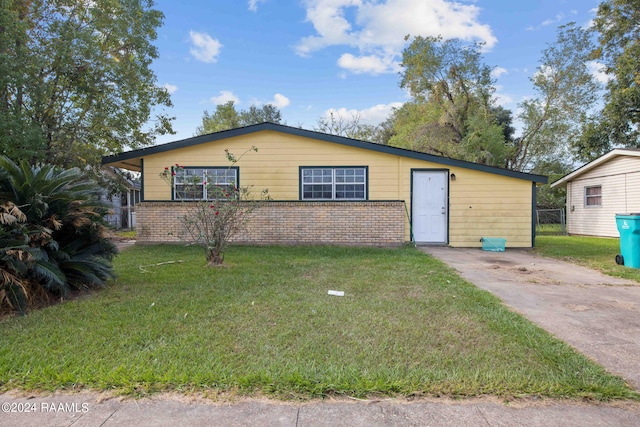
column 214, row 220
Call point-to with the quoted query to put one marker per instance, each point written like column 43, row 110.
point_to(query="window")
column 204, row 183
column 593, row 196
column 324, row 183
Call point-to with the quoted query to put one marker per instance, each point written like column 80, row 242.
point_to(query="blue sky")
column 309, row 57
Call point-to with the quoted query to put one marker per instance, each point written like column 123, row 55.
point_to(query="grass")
column 550, row 229
column 593, row 252
column 264, row 324
column 126, row 234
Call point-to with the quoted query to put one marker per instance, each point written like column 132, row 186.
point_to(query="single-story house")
column 599, row 190
column 329, row 189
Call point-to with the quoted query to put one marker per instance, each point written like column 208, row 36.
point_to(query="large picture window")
column 204, row 183
column 593, row 196
column 328, row 183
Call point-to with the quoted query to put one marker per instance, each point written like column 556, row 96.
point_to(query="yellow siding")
column 481, row 204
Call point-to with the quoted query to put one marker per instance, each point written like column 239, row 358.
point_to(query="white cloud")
column 559, row 17
column 279, row 101
column 170, row 88
column 597, row 71
column 205, row 48
column 224, row 97
column 368, row 64
column 377, row 28
column 253, row 5
column 544, row 72
column 370, row 116
column 551, row 21
column 498, row 71
column 501, row 98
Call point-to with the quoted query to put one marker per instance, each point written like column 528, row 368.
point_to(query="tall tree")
column 255, row 115
column 504, row 118
column 547, row 197
column 450, row 74
column 417, row 126
column 20, row 135
column 75, row 79
column 618, row 25
column 452, row 113
column 565, row 92
column 227, row 117
column 336, row 124
column 224, row 118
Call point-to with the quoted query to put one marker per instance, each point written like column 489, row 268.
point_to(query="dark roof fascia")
column 201, row 139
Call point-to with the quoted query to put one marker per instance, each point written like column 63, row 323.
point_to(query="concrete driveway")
column 595, row 313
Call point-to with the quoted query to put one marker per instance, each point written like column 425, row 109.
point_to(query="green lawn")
column 264, row 324
column 125, row 234
column 594, row 252
column 550, row 229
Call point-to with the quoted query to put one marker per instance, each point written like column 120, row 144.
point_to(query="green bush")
column 52, row 235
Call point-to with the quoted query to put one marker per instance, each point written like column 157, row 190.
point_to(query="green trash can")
column 629, row 228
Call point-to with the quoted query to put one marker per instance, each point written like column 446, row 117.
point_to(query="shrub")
column 212, row 223
column 52, row 238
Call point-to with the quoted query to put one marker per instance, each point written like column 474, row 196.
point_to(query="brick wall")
column 372, row 223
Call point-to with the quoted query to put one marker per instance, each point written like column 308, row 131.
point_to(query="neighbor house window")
column 593, row 196
column 204, row 183
column 328, row 183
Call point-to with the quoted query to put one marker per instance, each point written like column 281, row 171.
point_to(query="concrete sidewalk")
column 89, row 409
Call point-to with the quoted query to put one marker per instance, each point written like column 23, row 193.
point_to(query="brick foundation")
column 371, row 223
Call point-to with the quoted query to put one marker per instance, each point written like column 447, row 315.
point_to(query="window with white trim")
column 204, row 183
column 593, row 196
column 329, row 183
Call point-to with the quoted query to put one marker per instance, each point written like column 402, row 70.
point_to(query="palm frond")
column 87, row 271
column 10, row 213
column 54, row 222
column 82, row 248
column 18, row 298
column 50, row 276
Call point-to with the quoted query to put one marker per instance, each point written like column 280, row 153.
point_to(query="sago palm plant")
column 61, row 225
column 14, row 255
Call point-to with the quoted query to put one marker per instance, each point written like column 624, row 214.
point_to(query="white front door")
column 429, row 207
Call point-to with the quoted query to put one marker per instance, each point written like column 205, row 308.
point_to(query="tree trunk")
column 214, row 258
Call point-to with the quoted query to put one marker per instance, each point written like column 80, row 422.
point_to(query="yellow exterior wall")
column 480, row 203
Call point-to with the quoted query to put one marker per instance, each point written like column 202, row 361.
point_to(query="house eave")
column 128, row 164
column 132, row 159
column 562, row 182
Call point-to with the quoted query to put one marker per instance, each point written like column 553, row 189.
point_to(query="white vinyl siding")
column 619, row 180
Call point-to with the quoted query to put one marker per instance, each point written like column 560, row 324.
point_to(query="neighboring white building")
column 123, row 214
column 122, row 205
column 599, row 190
